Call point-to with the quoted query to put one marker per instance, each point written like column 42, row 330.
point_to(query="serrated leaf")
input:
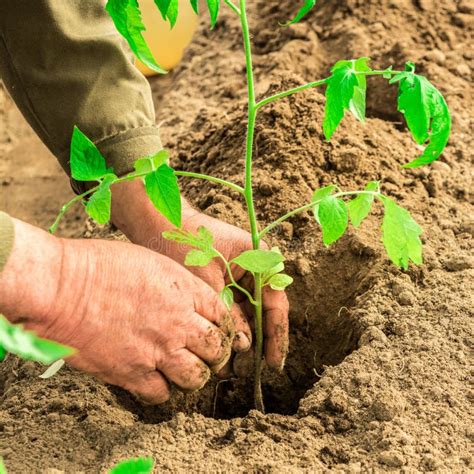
column 345, row 91
column 359, row 208
column 227, row 296
column 162, row 188
column 320, row 194
column 203, row 240
column 426, row 113
column 213, row 6
column 163, row 7
column 280, row 281
column 333, row 217
column 198, row 258
column 53, row 369
column 302, row 12
column 168, row 10
column 151, row 163
column 28, row 346
column 401, row 235
column 258, row 261
column 87, row 163
column 127, row 18
column 99, row 203
column 134, row 466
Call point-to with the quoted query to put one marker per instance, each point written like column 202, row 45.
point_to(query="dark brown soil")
column 378, row 371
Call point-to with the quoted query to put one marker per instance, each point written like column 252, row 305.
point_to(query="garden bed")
column 378, row 367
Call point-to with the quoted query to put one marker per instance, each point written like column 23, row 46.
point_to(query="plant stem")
column 205, row 177
column 252, row 114
column 235, row 8
column 280, row 95
column 310, row 85
column 310, row 206
column 258, row 397
column 131, row 177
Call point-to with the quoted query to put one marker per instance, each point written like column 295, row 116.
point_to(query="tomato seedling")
column 423, row 106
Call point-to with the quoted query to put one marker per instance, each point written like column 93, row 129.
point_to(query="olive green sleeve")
column 6, row 238
column 65, row 64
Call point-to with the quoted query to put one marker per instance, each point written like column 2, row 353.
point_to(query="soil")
column 378, row 371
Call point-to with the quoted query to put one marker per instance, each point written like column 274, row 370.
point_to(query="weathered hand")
column 136, row 217
column 138, row 319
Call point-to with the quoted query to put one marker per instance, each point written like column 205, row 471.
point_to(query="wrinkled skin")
column 134, row 214
column 138, row 319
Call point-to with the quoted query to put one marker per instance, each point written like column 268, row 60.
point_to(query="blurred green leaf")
column 134, row 466
column 280, row 281
column 28, row 346
column 227, row 296
column 302, row 12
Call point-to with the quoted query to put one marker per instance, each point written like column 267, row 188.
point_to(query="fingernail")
column 241, row 342
column 282, row 365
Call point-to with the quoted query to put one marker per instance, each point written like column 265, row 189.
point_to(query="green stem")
column 309, row 206
column 258, row 397
column 252, row 115
column 131, row 177
column 212, row 179
column 235, row 8
column 311, row 85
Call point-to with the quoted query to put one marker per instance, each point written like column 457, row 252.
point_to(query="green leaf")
column 87, row 163
column 98, row 205
column 151, row 163
column 203, row 240
column 426, row 113
column 134, row 466
column 302, row 12
column 280, row 281
column 3, row 469
column 319, row 195
column 333, row 217
column 195, row 6
column 258, row 261
column 27, row 345
column 227, row 296
column 127, row 18
column 345, row 91
column 401, row 235
column 168, row 10
column 359, row 208
column 213, row 6
column 162, row 188
column 274, row 270
column 199, row 258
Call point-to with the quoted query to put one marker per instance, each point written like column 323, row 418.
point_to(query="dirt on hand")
column 377, row 375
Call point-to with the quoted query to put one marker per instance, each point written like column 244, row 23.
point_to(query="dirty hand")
column 137, row 218
column 138, row 319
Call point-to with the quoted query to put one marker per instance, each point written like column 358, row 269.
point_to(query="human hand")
column 137, row 218
column 138, row 319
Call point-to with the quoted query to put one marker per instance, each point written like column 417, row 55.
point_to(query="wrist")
column 134, row 214
column 31, row 276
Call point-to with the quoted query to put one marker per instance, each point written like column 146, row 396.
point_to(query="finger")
column 243, row 333
column 208, row 304
column 207, row 341
column 243, row 363
column 151, row 389
column 275, row 311
column 185, row 369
